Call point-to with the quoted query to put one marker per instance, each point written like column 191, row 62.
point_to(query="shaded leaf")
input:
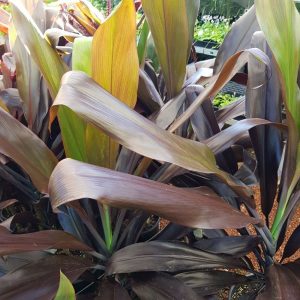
column 41, row 240
column 40, row 279
column 73, row 180
column 280, row 21
column 210, row 282
column 6, row 203
column 167, row 257
column 171, row 23
column 65, row 289
column 149, row 286
column 230, row 245
column 293, row 244
column 263, row 100
column 25, row 148
column 112, row 291
column 282, row 283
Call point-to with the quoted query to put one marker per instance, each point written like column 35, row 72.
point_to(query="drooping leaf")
column 74, row 180
column 165, row 257
column 239, row 38
column 171, row 23
column 136, row 133
column 65, row 290
column 25, row 148
column 40, row 279
column 41, row 240
column 230, row 245
column 161, row 286
column 230, row 68
column 226, row 138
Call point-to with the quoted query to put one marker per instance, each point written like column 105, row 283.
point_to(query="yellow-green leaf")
column 65, row 290
column 172, row 23
column 115, row 65
column 114, row 52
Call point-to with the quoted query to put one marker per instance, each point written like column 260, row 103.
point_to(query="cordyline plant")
column 138, row 140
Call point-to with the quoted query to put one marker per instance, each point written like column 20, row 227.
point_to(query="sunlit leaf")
column 171, row 24
column 115, row 64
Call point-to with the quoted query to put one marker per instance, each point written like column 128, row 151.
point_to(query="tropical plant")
column 114, row 120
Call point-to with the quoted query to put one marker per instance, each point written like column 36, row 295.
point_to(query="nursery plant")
column 108, row 148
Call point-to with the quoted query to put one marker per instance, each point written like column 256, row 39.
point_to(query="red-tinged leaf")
column 210, row 282
column 41, row 240
column 149, row 286
column 166, row 257
column 111, row 290
column 26, row 149
column 40, row 279
column 136, row 133
column 73, row 180
column 226, row 138
column 6, row 203
column 237, row 246
column 283, row 282
column 238, row 38
column 264, row 100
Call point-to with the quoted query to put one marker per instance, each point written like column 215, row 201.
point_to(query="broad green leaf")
column 90, row 140
column 280, row 22
column 142, row 41
column 65, row 290
column 116, row 66
column 73, row 180
column 132, row 130
column 27, row 150
column 172, row 23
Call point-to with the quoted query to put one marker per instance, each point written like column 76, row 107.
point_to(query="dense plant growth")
column 211, row 29
column 119, row 179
